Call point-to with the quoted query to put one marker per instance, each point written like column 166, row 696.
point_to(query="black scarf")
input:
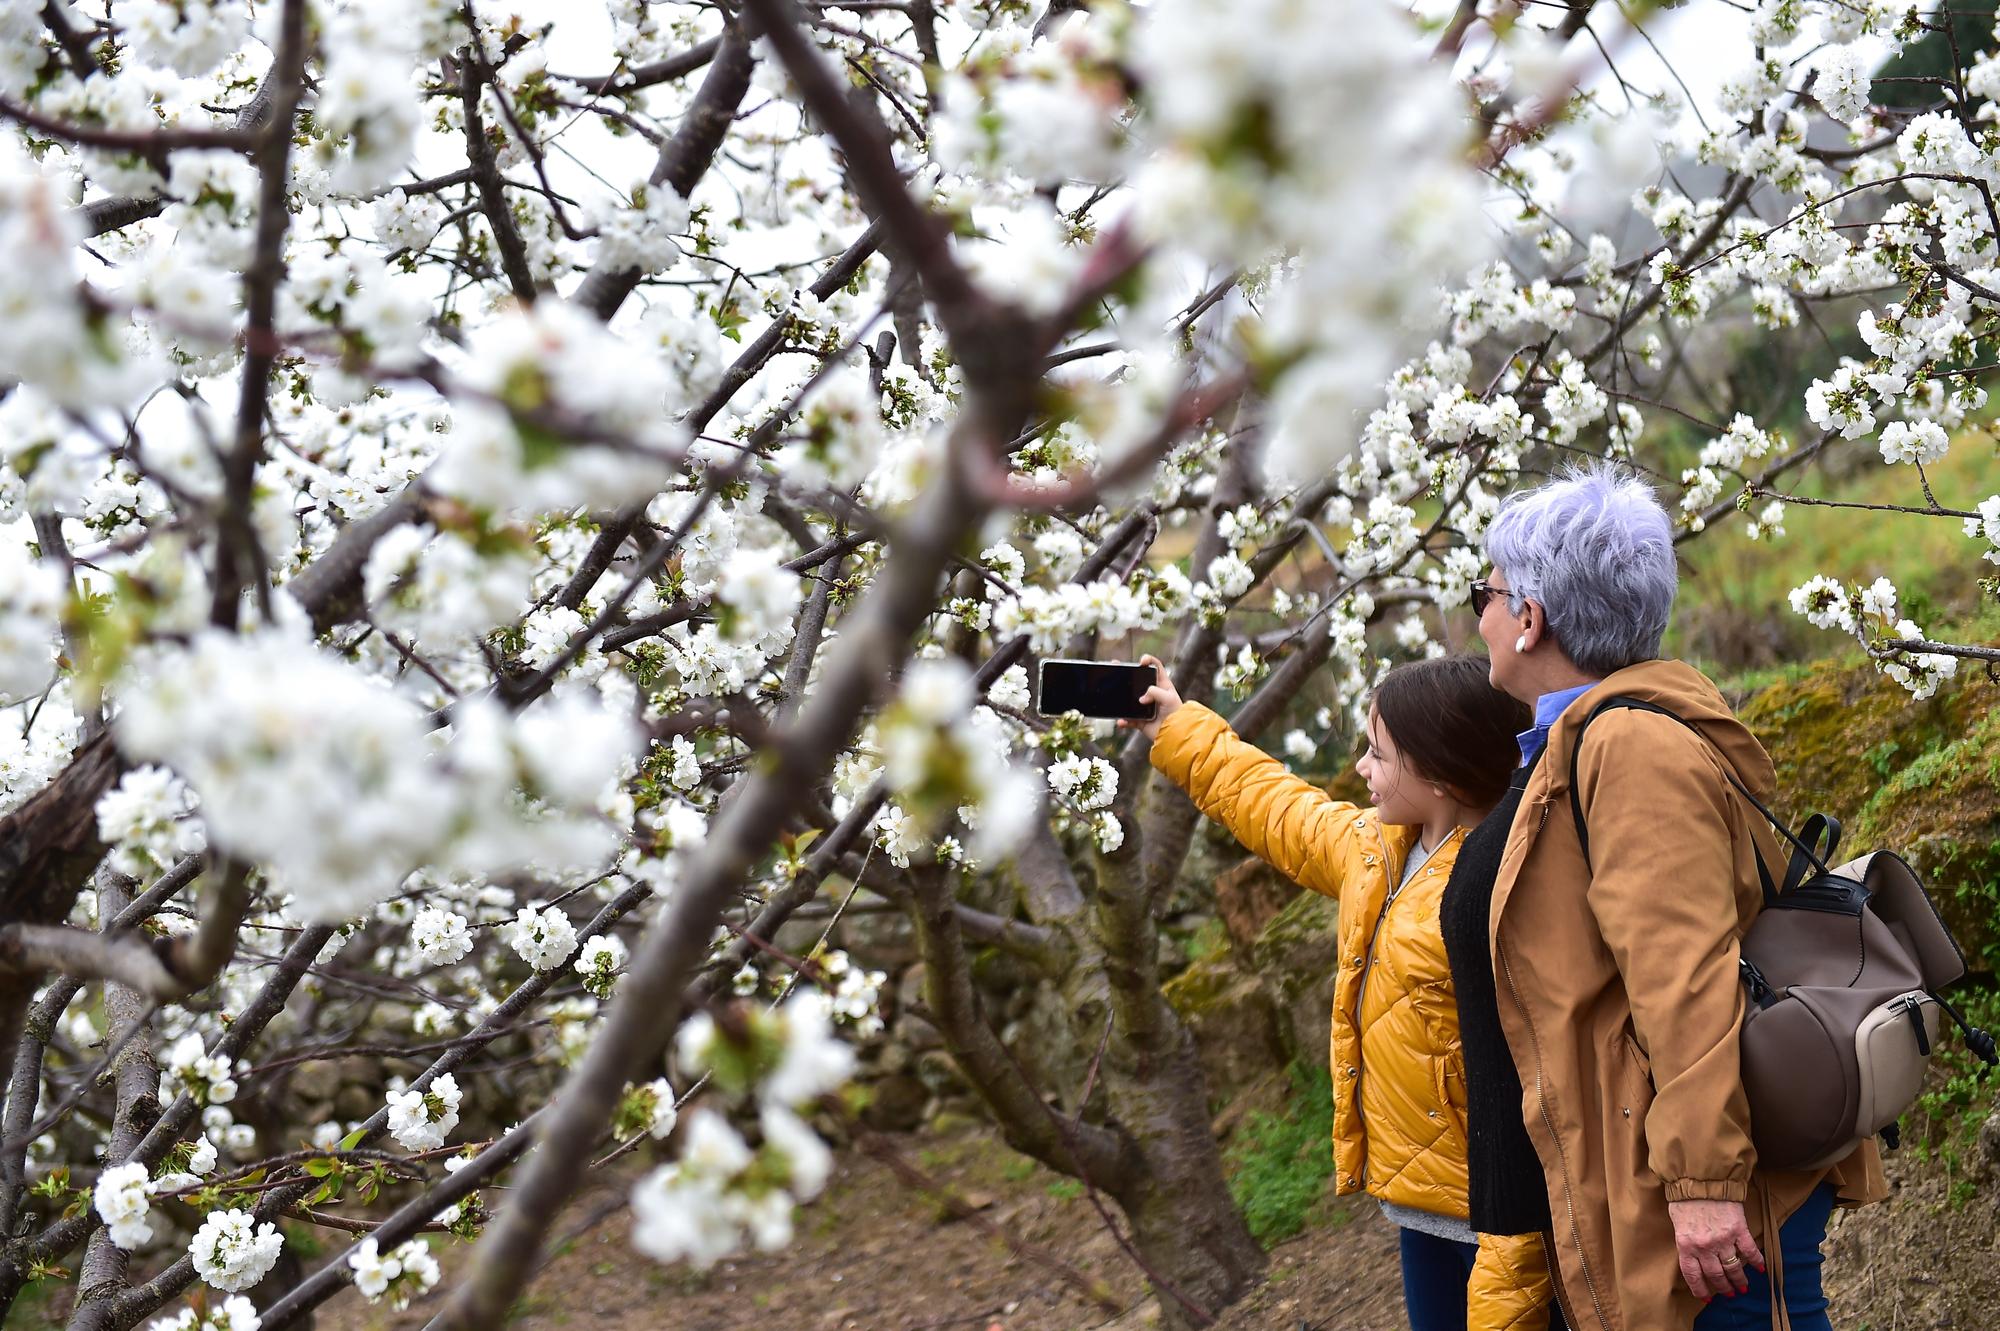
column 1507, row 1191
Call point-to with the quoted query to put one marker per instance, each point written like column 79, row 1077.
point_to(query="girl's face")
column 1401, row 795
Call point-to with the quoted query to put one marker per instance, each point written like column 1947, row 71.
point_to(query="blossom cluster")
column 233, row 1252
column 405, row 1272
column 942, row 756
column 234, row 1313
column 1870, row 614
column 336, row 783
column 721, row 1191
column 421, row 1120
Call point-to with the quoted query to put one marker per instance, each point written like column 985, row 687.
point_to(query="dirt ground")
column 877, row 1253
column 1917, row 1262
column 874, row 1253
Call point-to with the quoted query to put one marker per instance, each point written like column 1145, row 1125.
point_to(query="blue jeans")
column 1435, row 1271
column 1805, row 1301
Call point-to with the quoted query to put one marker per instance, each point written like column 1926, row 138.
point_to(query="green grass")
column 1944, row 1123
column 1208, row 940
column 1279, row 1163
column 1733, row 581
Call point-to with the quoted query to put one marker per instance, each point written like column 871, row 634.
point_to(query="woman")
column 1440, row 749
column 1617, row 977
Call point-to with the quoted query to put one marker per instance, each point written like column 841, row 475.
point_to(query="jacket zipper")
column 1555, row 1278
column 1361, row 992
column 1569, row 1201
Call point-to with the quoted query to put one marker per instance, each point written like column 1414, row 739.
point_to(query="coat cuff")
column 1171, row 752
column 1708, row 1190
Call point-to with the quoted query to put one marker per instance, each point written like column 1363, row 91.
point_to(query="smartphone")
column 1095, row 688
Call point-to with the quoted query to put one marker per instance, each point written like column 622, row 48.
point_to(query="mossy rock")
column 1228, row 1011
column 1839, row 733
column 1919, row 778
column 1295, row 956
column 1942, row 814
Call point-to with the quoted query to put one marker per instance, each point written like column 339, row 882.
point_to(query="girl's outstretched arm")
column 1283, row 819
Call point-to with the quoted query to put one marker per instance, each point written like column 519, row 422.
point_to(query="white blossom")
column 1924, row 441
column 147, row 817
column 406, row 1272
column 232, row 1252
column 1229, row 576
column 761, row 597
column 403, row 222
column 1844, row 78
column 1986, row 526
column 207, row 1077
column 31, row 597
column 599, row 963
column 543, row 938
column 1878, row 599
column 1011, row 689
column 122, row 1198
column 234, row 1313
column 1088, row 783
column 440, row 936
column 422, row 1120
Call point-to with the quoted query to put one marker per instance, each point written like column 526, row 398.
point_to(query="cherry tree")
column 506, row 507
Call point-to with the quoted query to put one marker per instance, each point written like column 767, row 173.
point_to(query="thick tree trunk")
column 1185, row 1225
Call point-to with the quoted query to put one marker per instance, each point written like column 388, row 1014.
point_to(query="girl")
column 1441, row 748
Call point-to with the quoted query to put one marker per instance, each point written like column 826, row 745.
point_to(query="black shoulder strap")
column 1806, row 850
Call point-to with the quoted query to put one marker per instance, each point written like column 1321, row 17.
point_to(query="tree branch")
column 38, row 949
column 239, row 560
column 486, row 177
column 686, row 157
column 137, row 1085
column 954, row 1009
column 152, row 144
column 871, row 163
column 645, row 76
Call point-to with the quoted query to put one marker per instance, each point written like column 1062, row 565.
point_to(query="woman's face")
column 1501, row 628
column 1400, row 795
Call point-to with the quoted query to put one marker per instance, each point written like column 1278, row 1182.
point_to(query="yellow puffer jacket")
column 1398, row 1069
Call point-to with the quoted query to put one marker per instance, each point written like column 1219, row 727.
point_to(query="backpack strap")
column 1806, row 852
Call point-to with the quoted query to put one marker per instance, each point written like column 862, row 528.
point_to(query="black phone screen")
column 1095, row 688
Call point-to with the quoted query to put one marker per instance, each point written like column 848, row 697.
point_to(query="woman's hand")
column 1715, row 1245
column 1165, row 701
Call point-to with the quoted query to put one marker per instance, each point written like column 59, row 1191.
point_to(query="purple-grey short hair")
column 1597, row 551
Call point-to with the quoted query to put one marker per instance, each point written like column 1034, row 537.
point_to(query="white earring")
column 1521, row 643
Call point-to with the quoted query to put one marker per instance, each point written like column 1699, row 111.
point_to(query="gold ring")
column 1732, row 1261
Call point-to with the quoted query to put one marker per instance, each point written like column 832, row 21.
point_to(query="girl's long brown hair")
column 1452, row 726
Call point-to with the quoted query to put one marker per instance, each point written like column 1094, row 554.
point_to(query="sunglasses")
column 1483, row 592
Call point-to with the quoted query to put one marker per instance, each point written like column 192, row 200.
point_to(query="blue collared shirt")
column 1547, row 708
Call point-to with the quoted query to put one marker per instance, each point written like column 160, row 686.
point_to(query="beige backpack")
column 1842, row 970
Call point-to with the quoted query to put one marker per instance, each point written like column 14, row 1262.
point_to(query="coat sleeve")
column 1663, row 892
column 1509, row 1289
column 1287, row 822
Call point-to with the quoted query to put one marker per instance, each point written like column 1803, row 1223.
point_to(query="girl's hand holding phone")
column 1163, row 697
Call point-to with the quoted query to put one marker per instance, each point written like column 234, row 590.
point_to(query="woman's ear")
column 1532, row 625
